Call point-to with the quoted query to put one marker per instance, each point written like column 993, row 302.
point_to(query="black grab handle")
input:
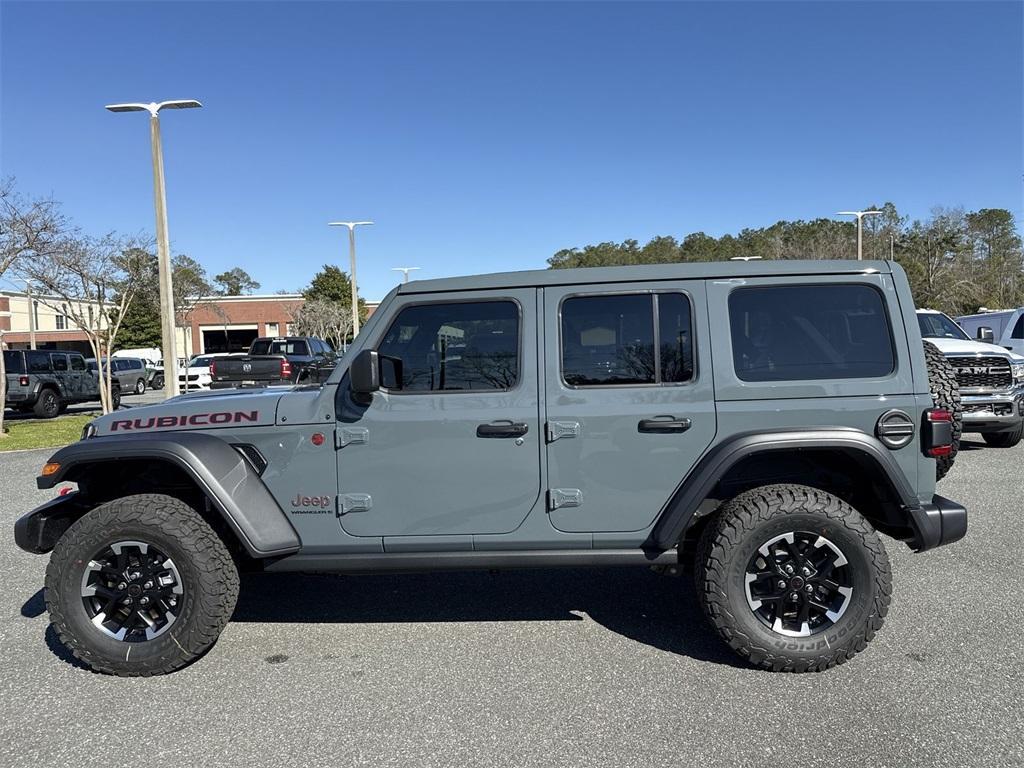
column 502, row 429
column 664, row 424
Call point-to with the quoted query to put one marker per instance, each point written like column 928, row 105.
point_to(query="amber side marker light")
column 50, row 468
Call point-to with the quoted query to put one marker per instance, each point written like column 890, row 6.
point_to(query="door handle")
column 502, row 429
column 664, row 425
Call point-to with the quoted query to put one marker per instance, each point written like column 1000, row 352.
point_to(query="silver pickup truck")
column 991, row 380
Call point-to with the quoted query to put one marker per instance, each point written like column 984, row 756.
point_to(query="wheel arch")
column 109, row 467
column 845, row 462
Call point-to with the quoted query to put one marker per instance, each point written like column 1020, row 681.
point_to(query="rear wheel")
column 47, row 405
column 1004, row 439
column 946, row 394
column 793, row 578
column 140, row 387
column 140, row 586
column 115, row 397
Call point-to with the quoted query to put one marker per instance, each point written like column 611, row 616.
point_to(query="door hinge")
column 354, row 502
column 350, row 436
column 559, row 429
column 564, row 497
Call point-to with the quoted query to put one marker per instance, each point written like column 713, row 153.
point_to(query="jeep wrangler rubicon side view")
column 761, row 423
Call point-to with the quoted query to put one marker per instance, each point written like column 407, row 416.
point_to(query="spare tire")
column 946, row 394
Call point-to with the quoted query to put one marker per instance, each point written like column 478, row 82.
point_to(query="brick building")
column 20, row 313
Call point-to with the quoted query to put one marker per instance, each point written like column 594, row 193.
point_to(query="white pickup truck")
column 991, row 379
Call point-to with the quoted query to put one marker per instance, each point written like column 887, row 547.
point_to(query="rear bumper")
column 15, row 398
column 940, row 522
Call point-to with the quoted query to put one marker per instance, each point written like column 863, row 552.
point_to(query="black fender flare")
column 230, row 482
column 701, row 480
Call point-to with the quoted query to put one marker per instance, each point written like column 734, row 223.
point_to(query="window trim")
column 655, row 305
column 896, row 361
column 488, row 300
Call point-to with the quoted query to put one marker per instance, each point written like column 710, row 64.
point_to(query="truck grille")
column 984, row 372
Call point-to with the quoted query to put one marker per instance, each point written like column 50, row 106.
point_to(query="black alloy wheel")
column 132, row 591
column 798, row 584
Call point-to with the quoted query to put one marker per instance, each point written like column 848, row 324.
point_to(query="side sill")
column 397, row 562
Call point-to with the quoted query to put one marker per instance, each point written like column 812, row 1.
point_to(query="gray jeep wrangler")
column 759, row 423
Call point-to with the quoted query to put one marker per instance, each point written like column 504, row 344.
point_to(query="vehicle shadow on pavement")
column 636, row 603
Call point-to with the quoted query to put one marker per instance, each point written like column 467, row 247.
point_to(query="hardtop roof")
column 695, row 270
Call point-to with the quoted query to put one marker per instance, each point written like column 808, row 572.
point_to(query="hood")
column 201, row 410
column 971, row 347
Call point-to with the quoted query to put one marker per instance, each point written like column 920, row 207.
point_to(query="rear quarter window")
column 810, row 332
column 14, row 362
column 38, row 362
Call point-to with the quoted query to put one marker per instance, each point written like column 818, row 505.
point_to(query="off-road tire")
column 47, row 405
column 748, row 521
column 115, row 397
column 140, row 387
column 1004, row 439
column 158, row 382
column 946, row 393
column 208, row 573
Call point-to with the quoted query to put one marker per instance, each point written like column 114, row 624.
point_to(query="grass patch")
column 43, row 433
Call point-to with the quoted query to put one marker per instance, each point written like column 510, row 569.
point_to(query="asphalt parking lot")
column 601, row 667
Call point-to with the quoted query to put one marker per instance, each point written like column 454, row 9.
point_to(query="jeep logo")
column 311, row 501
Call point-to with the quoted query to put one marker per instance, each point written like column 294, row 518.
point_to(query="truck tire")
column 140, row 586
column 47, row 404
column 158, row 382
column 946, row 394
column 115, row 396
column 1004, row 439
column 793, row 578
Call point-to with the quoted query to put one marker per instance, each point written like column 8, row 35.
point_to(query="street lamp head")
column 154, row 107
column 349, row 224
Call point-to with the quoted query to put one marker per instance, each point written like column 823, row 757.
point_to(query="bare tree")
column 28, row 231
column 324, row 319
column 94, row 280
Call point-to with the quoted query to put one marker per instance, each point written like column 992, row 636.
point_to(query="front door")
column 451, row 444
column 630, row 400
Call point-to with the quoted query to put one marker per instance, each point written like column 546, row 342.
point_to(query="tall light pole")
column 352, row 265
column 168, row 327
column 860, row 227
column 405, row 272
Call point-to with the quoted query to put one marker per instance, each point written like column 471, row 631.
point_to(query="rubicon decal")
column 189, row 420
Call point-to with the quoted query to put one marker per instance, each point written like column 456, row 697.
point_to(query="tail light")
column 23, row 381
column 213, row 368
column 937, row 433
column 286, row 369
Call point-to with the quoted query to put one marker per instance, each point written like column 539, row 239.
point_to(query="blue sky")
column 486, row 136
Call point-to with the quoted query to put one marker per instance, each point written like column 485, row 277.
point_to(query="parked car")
column 46, row 382
column 1006, row 327
column 196, row 375
column 990, row 377
column 286, row 360
column 130, row 373
column 761, row 424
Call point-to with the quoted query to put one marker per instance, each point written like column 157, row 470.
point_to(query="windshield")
column 935, row 325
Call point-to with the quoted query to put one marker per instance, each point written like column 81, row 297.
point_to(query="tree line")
column 957, row 261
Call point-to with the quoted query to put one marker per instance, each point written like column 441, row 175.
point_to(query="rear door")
column 451, row 444
column 630, row 400
column 78, row 380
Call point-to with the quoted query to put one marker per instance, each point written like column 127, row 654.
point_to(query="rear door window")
column 38, row 362
column 810, row 332
column 626, row 339
column 59, row 362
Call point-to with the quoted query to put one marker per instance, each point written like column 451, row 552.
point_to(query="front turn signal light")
column 50, row 468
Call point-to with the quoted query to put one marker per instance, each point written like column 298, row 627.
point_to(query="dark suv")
column 47, row 382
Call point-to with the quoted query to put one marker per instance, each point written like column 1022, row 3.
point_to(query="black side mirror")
column 985, row 334
column 364, row 373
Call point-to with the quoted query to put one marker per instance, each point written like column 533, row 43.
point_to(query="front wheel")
column 158, row 381
column 793, row 578
column 140, row 586
column 1004, row 439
